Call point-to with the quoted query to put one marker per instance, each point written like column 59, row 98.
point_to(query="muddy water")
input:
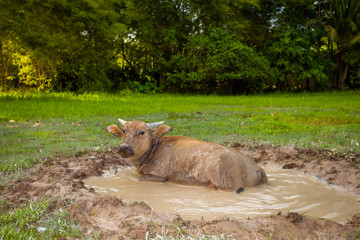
column 287, row 190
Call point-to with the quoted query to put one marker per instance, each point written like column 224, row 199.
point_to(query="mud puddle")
column 61, row 180
column 287, row 191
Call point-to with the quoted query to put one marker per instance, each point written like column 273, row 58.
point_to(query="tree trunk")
column 2, row 80
column 342, row 70
column 319, row 9
column 3, row 67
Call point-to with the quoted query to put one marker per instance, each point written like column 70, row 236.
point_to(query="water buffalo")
column 184, row 160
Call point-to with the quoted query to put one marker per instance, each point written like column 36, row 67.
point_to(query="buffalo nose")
column 126, row 148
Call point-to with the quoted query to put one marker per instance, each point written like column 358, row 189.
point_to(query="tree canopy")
column 216, row 46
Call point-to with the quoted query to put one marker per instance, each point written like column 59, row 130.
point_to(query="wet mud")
column 62, row 180
column 286, row 190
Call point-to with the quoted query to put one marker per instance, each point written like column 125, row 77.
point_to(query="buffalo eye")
column 141, row 132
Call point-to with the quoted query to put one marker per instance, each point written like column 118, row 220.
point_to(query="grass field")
column 34, row 127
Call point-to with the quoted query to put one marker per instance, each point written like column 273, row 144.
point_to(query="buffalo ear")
column 162, row 130
column 115, row 130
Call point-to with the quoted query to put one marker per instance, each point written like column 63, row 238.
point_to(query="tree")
column 88, row 45
column 224, row 14
column 296, row 63
column 341, row 22
column 353, row 57
column 157, row 30
column 268, row 16
column 217, row 61
column 72, row 39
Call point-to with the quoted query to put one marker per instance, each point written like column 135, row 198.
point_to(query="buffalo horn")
column 123, row 122
column 150, row 125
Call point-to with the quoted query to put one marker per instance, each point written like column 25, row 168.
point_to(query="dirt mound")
column 62, row 179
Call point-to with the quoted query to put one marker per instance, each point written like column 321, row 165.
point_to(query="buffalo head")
column 138, row 137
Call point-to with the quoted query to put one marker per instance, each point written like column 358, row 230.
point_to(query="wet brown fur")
column 185, row 160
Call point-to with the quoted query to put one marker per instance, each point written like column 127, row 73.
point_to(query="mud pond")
column 287, row 190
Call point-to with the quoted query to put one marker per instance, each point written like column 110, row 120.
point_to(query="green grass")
column 42, row 125
column 35, row 221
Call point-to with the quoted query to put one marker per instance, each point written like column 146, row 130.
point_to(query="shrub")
column 218, row 61
column 295, row 63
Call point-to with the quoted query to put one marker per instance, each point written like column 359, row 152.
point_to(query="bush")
column 295, row 63
column 218, row 61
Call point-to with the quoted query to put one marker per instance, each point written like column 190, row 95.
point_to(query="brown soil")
column 62, row 179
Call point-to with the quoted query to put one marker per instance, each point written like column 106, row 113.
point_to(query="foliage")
column 296, row 64
column 217, row 60
column 147, row 87
column 6, row 63
column 67, row 43
column 353, row 58
column 32, row 72
column 341, row 23
column 152, row 46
